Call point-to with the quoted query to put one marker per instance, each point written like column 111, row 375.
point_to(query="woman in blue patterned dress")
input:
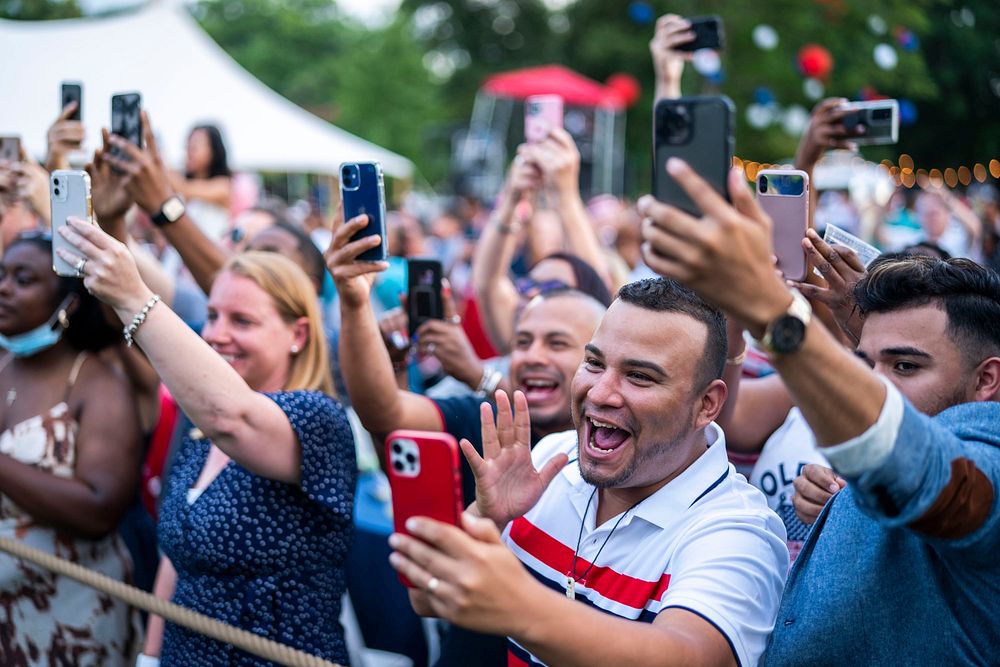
column 256, row 517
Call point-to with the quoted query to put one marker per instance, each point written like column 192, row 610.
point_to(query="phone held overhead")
column 69, row 193
column 784, row 195
column 542, row 113
column 362, row 191
column 708, row 34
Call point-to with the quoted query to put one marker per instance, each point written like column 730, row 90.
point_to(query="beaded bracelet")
column 137, row 321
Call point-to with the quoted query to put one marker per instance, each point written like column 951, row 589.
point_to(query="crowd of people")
column 671, row 454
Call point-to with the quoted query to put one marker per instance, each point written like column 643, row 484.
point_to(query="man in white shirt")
column 636, row 514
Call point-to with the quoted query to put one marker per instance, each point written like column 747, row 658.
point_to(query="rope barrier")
column 210, row 627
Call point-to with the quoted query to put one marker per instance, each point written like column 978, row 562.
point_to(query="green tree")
column 39, row 10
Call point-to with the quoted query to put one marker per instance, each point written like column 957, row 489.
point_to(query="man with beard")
column 649, row 522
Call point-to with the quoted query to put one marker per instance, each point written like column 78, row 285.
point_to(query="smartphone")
column 708, row 34
column 126, row 120
column 699, row 130
column 69, row 192
column 541, row 114
column 362, row 190
column 423, row 294
column 425, row 478
column 72, row 92
column 10, row 149
column 879, row 120
column 784, row 196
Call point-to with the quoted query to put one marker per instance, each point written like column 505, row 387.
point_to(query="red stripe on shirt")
column 621, row 588
column 514, row 661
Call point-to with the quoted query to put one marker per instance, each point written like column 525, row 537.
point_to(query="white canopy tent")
column 185, row 78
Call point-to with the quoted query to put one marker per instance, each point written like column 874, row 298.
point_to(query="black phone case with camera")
column 698, row 130
column 708, row 34
column 423, row 294
column 368, row 198
column 73, row 92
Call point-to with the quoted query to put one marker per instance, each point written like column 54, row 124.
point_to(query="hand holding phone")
column 698, row 130
column 873, row 122
column 425, row 478
column 70, row 195
column 784, row 195
column 362, row 191
column 542, row 113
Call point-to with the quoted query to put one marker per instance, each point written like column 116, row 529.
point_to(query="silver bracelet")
column 137, row 321
column 491, row 380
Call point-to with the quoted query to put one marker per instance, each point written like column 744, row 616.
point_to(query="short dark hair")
column 587, row 279
column 968, row 292
column 315, row 264
column 89, row 328
column 219, row 166
column 666, row 295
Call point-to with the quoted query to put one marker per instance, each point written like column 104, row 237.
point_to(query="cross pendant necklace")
column 571, row 577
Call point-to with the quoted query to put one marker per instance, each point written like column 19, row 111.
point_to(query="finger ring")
column 79, row 265
column 455, row 319
column 430, row 348
column 433, row 584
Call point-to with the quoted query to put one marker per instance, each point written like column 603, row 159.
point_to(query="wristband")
column 143, row 660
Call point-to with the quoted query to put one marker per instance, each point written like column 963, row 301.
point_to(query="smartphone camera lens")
column 350, row 177
column 397, row 465
column 763, row 183
column 57, row 192
column 56, row 181
column 397, row 448
column 410, row 458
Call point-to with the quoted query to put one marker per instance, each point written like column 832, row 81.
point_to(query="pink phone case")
column 541, row 114
column 790, row 217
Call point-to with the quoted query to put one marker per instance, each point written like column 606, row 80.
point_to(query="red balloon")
column 815, row 61
column 627, row 87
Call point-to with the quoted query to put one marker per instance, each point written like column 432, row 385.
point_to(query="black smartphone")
column 423, row 293
column 708, row 34
column 362, row 190
column 126, row 120
column 72, row 92
column 878, row 121
column 698, row 130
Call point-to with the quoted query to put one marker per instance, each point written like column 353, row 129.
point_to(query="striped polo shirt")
column 705, row 542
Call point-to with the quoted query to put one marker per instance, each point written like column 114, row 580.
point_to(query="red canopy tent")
column 556, row 80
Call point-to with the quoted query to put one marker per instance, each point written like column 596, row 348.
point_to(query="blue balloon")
column 763, row 95
column 641, row 13
column 907, row 112
column 716, row 77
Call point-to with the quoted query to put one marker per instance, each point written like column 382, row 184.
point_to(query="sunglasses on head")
column 528, row 285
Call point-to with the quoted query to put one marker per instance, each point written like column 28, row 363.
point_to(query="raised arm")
column 245, row 424
column 668, row 62
column 364, row 361
column 216, row 190
column 495, row 291
column 148, row 183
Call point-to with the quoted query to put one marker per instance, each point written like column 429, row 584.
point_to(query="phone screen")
column 125, row 119
column 73, row 92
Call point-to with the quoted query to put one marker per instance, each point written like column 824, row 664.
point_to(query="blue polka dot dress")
column 260, row 554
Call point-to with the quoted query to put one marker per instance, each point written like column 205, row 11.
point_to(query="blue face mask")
column 40, row 338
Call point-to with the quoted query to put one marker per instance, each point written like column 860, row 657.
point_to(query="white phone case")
column 70, row 195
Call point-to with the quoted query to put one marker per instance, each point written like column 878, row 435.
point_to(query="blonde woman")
column 256, row 517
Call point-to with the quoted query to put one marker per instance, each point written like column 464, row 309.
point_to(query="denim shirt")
column 903, row 566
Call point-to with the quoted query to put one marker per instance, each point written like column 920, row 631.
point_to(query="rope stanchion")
column 210, row 627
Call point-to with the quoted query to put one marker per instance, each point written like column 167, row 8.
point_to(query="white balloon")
column 706, row 62
column 760, row 116
column 795, row 120
column 813, row 88
column 885, row 56
column 877, row 24
column 765, row 37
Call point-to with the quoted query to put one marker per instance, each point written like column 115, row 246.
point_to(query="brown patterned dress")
column 46, row 619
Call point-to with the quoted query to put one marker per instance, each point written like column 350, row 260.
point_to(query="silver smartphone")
column 69, row 192
column 878, row 120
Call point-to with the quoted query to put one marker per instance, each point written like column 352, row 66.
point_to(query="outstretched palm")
column 507, row 484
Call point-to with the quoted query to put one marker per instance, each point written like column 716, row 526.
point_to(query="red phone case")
column 425, row 477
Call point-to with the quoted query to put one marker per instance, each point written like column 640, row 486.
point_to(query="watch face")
column 787, row 334
column 173, row 209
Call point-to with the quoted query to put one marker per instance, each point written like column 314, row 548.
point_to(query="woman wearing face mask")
column 255, row 519
column 69, row 463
